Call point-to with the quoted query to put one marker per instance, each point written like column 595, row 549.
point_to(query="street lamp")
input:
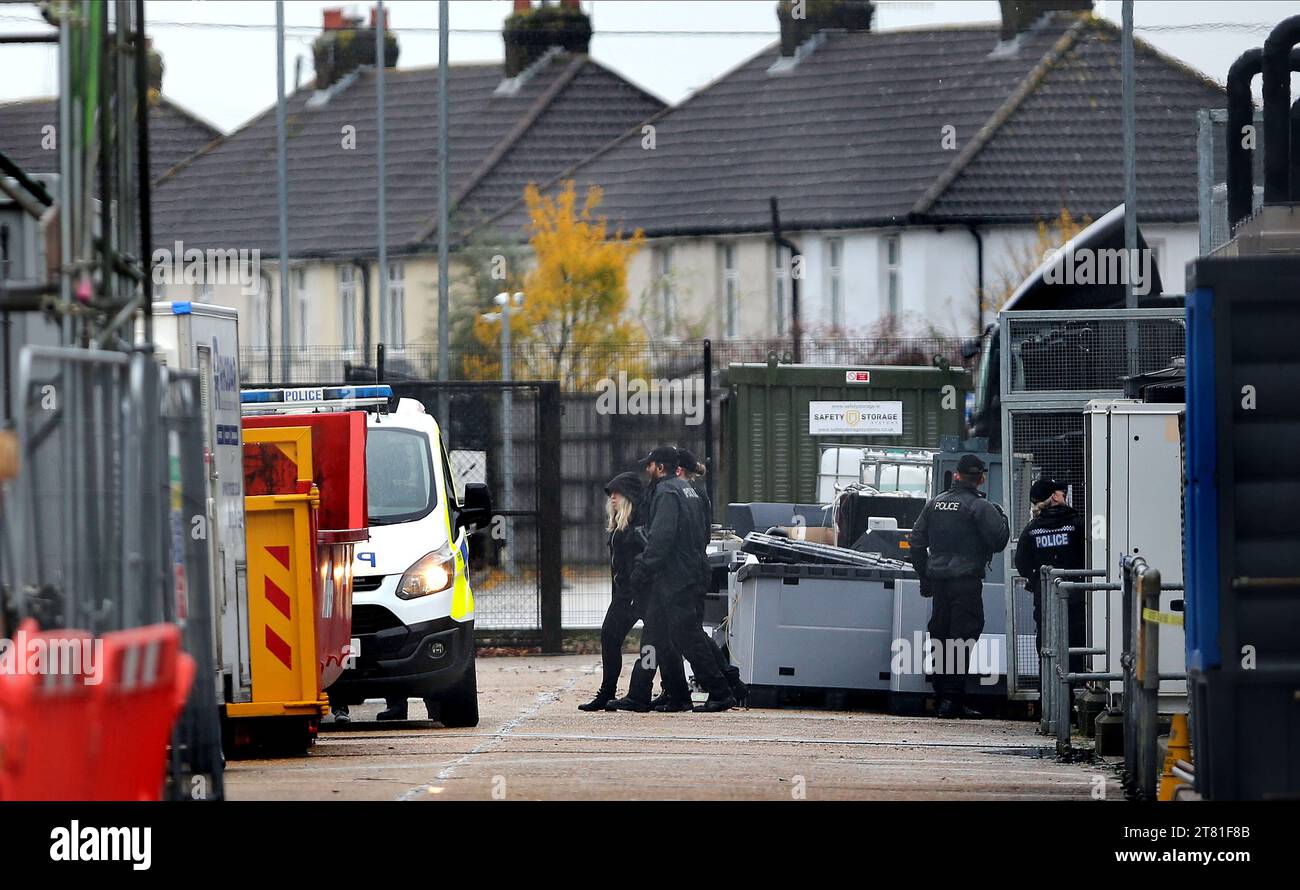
column 507, row 302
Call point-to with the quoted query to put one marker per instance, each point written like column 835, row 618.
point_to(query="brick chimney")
column 1019, row 15
column 531, row 30
column 803, row 19
column 346, row 44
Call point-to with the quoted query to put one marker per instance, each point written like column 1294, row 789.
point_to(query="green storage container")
column 767, row 449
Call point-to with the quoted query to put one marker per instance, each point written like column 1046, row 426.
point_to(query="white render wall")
column 938, row 268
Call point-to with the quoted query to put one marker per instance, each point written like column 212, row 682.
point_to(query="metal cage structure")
column 1053, row 364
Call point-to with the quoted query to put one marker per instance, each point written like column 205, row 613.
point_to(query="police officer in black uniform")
column 951, row 545
column 674, row 569
column 690, row 469
column 1054, row 537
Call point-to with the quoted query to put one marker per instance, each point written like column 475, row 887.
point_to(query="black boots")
column 739, row 691
column 596, row 704
column 627, row 704
column 714, row 705
column 667, row 704
column 396, row 710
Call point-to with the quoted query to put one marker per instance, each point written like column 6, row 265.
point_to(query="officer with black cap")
column 951, row 545
column 1054, row 537
column 673, row 568
column 690, row 469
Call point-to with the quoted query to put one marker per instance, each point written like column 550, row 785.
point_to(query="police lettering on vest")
column 1057, row 540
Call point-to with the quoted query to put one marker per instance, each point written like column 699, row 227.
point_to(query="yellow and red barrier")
column 305, row 509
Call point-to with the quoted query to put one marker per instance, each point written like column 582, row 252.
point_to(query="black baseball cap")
column 687, row 461
column 970, row 463
column 664, row 454
column 1042, row 489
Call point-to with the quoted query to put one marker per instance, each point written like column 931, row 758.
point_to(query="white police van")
column 412, row 607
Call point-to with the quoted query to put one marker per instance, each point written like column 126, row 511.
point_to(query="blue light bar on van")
column 293, row 400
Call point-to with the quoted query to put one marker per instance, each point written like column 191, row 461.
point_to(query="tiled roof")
column 852, row 135
column 1063, row 145
column 174, row 135
column 226, row 196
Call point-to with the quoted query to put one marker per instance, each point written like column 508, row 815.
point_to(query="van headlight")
column 431, row 573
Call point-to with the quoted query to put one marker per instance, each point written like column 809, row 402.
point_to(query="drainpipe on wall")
column 979, row 281
column 796, row 329
column 270, row 326
column 364, row 268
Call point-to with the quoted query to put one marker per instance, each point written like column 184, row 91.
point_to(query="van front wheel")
column 459, row 707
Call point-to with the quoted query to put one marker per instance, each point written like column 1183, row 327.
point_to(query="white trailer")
column 205, row 338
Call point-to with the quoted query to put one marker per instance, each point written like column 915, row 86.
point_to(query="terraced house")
column 546, row 109
column 910, row 167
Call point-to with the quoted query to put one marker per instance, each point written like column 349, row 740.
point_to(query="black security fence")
column 543, row 565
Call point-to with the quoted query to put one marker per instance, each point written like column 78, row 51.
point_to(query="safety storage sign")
column 855, row 418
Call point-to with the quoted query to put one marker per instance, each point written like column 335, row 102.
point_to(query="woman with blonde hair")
column 622, row 515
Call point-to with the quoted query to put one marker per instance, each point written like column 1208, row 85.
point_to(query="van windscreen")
column 399, row 475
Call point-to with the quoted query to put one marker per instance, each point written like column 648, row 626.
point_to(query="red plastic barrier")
column 94, row 725
column 47, row 740
column 146, row 679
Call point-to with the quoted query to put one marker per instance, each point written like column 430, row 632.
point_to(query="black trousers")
column 620, row 618
column 1078, row 622
column 685, row 607
column 729, row 670
column 657, row 653
column 956, row 622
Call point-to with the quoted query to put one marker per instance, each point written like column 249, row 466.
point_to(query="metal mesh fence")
column 1054, row 363
column 1088, row 354
column 581, row 367
column 1213, row 173
column 475, row 420
column 1044, row 443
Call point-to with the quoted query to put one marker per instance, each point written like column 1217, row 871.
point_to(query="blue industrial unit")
column 1242, row 546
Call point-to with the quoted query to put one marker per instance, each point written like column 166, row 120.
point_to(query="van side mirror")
column 476, row 508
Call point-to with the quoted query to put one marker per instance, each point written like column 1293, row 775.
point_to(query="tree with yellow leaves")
column 573, row 317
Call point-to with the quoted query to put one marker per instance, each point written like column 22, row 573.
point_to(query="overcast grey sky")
column 220, row 54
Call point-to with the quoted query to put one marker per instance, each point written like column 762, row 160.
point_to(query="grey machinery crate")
column 817, row 626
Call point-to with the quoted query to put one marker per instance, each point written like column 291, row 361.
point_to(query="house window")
column 835, row 280
column 300, row 287
column 348, row 306
column 666, row 298
column 395, row 336
column 1157, row 248
column 893, row 288
column 261, row 310
column 781, row 288
column 730, row 289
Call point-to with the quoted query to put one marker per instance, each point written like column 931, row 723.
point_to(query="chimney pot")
column 1019, row 15
column 532, row 30
column 374, row 17
column 803, row 19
